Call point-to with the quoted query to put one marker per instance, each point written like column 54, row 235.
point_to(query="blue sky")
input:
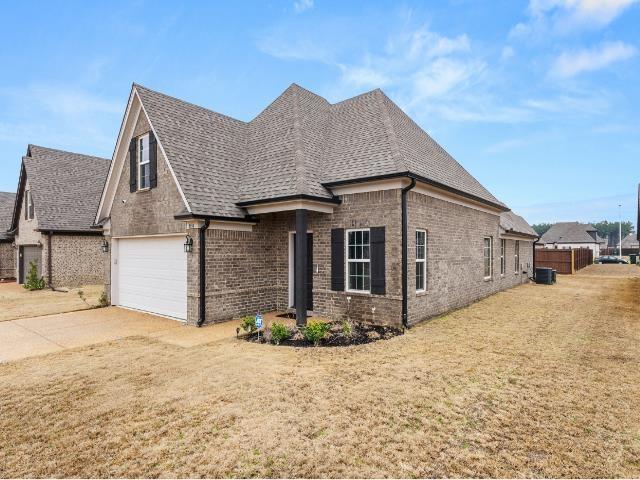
column 539, row 100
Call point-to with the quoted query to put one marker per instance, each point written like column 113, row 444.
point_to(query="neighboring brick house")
column 572, row 235
column 630, row 244
column 58, row 194
column 7, row 252
column 346, row 209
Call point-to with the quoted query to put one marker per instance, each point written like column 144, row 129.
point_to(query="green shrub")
column 279, row 332
column 315, row 331
column 249, row 324
column 102, row 300
column 32, row 281
column 347, row 329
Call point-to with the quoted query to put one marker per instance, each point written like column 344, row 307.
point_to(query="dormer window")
column 28, row 206
column 144, row 168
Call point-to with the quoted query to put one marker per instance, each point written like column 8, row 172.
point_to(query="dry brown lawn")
column 536, row 381
column 18, row 302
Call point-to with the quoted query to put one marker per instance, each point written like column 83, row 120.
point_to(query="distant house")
column 58, row 194
column 572, row 235
column 7, row 252
column 630, row 244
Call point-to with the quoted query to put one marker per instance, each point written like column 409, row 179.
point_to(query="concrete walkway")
column 28, row 337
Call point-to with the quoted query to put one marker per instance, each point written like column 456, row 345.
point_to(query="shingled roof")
column 510, row 222
column 296, row 147
column 570, row 232
column 66, row 188
column 630, row 241
column 7, row 200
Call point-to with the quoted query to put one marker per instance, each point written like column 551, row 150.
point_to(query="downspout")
column 203, row 282
column 49, row 262
column 405, row 255
column 533, row 277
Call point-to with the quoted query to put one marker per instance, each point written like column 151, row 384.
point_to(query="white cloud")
column 506, row 145
column 444, row 75
column 569, row 64
column 301, row 5
column 430, row 75
column 566, row 16
column 363, row 77
column 58, row 116
column 507, row 53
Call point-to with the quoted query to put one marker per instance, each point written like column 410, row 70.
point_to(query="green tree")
column 607, row 229
column 541, row 228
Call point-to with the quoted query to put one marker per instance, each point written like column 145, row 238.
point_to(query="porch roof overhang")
column 513, row 235
column 291, row 202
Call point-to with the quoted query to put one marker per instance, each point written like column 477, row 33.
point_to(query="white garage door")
column 152, row 275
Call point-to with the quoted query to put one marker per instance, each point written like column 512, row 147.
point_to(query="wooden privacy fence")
column 614, row 251
column 564, row 260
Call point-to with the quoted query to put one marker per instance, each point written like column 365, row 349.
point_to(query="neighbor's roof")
column 7, row 200
column 569, row 232
column 299, row 143
column 66, row 187
column 510, row 222
column 630, row 241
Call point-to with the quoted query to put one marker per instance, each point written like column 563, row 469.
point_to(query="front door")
column 28, row 255
column 292, row 276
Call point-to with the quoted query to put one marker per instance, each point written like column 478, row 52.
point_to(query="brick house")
column 572, row 235
column 325, row 209
column 58, row 194
column 7, row 252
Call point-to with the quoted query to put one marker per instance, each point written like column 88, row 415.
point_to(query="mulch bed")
column 361, row 333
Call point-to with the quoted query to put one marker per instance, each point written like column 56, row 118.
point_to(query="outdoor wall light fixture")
column 188, row 244
column 105, row 246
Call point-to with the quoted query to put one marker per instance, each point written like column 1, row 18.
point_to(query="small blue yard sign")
column 258, row 321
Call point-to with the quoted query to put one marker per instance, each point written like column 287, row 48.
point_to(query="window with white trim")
column 144, row 168
column 516, row 257
column 358, row 260
column 28, row 206
column 421, row 260
column 503, row 259
column 488, row 256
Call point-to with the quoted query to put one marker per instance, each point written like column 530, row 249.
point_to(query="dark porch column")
column 301, row 268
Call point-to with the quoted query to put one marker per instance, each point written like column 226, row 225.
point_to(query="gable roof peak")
column 141, row 88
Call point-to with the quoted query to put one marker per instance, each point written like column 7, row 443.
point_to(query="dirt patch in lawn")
column 537, row 381
column 18, row 302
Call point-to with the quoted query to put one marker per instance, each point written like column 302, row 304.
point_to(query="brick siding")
column 7, row 260
column 455, row 268
column 76, row 260
column 148, row 212
column 248, row 272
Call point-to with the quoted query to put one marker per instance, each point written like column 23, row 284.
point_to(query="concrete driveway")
column 28, row 337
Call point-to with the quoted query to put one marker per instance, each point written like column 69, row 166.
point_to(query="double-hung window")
column 503, row 259
column 358, row 261
column 516, row 257
column 28, row 206
column 488, row 256
column 144, row 168
column 421, row 260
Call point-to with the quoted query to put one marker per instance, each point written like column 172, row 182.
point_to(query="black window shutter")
column 377, row 261
column 133, row 165
column 26, row 205
column 337, row 259
column 153, row 161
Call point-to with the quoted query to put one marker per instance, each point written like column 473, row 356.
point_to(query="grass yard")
column 536, row 381
column 18, row 302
